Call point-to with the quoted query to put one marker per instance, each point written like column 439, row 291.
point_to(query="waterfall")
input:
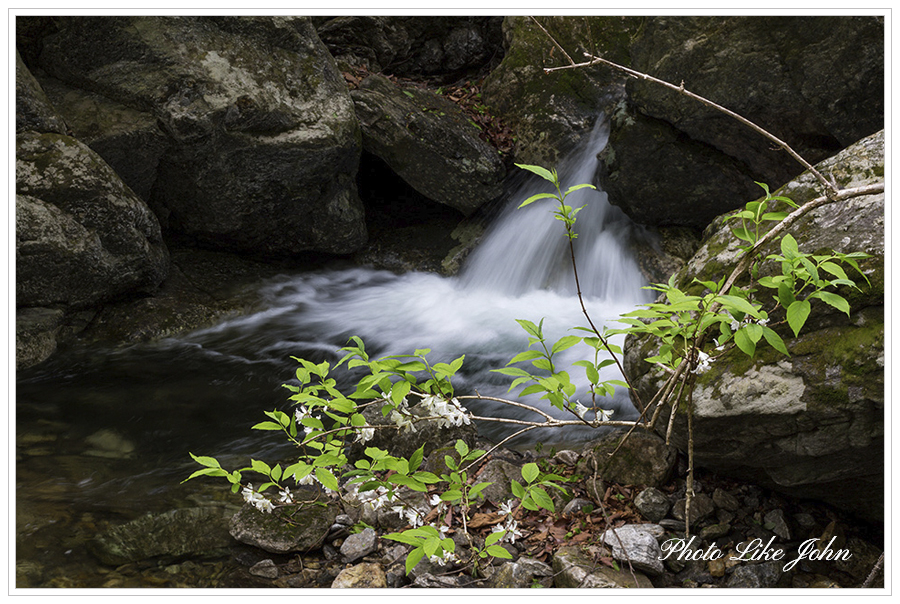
column 521, row 270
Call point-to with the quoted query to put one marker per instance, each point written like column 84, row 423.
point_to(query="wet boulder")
column 409, row 46
column 551, row 112
column 811, row 424
column 429, row 142
column 262, row 144
column 817, row 83
column 82, row 236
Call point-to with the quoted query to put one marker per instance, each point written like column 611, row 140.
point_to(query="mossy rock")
column 808, row 423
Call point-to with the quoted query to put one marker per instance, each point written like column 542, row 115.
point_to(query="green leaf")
column 797, row 314
column 834, row 269
column 541, row 498
column 542, row 172
column 531, row 328
column 525, row 356
column 530, row 472
column 775, row 341
column 789, row 247
column 416, row 459
column 210, row 462
column 327, row 479
column 266, row 426
column 574, row 188
column 537, row 197
column 498, row 551
column 834, row 300
column 207, row 472
column 494, row 537
column 785, row 294
column 735, row 303
column 461, row 447
column 564, row 343
column 517, row 489
column 774, row 216
column 744, row 342
column 413, row 558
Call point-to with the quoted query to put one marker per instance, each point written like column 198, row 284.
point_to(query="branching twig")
column 830, row 188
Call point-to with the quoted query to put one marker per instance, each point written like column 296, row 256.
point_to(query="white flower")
column 580, row 410
column 763, row 322
column 506, row 508
column 366, row 433
column 604, row 414
column 257, row 500
column 403, row 421
column 703, row 362
column 307, row 480
column 512, row 530
column 286, row 496
column 436, row 501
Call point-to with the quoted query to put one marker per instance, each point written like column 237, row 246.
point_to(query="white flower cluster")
column 401, row 415
column 510, row 525
column 413, row 517
column 302, row 413
column 449, row 413
column 600, row 414
column 311, row 479
column 257, row 500
column 376, row 497
column 366, row 433
column 703, row 361
column 735, row 324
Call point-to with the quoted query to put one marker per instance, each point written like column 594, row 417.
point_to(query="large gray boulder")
column 82, row 236
column 815, row 82
column 812, row 424
column 34, row 110
column 430, row 143
column 411, row 45
column 263, row 144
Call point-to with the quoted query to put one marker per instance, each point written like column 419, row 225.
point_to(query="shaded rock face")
column 263, row 144
column 815, row 82
column 411, row 45
column 33, row 108
column 429, row 143
column 550, row 112
column 811, row 425
column 82, row 236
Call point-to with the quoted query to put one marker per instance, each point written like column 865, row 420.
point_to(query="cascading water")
column 522, row 270
column 106, row 434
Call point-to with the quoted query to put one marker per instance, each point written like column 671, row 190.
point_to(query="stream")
column 103, row 436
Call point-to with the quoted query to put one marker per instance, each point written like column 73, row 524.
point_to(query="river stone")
column 635, row 544
column 815, row 82
column 429, row 142
column 755, row 576
column 82, row 236
column 36, row 334
column 575, row 570
column 270, row 532
column 652, row 504
column 366, row 575
column 262, row 140
column 184, row 532
column 643, row 460
column 359, row 545
column 265, row 568
column 701, row 507
column 520, row 574
column 809, row 424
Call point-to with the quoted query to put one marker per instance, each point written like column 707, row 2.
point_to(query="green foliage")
column 691, row 331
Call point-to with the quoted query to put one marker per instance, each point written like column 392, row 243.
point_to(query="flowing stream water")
column 106, row 433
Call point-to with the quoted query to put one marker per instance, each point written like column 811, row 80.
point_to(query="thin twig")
column 552, row 39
